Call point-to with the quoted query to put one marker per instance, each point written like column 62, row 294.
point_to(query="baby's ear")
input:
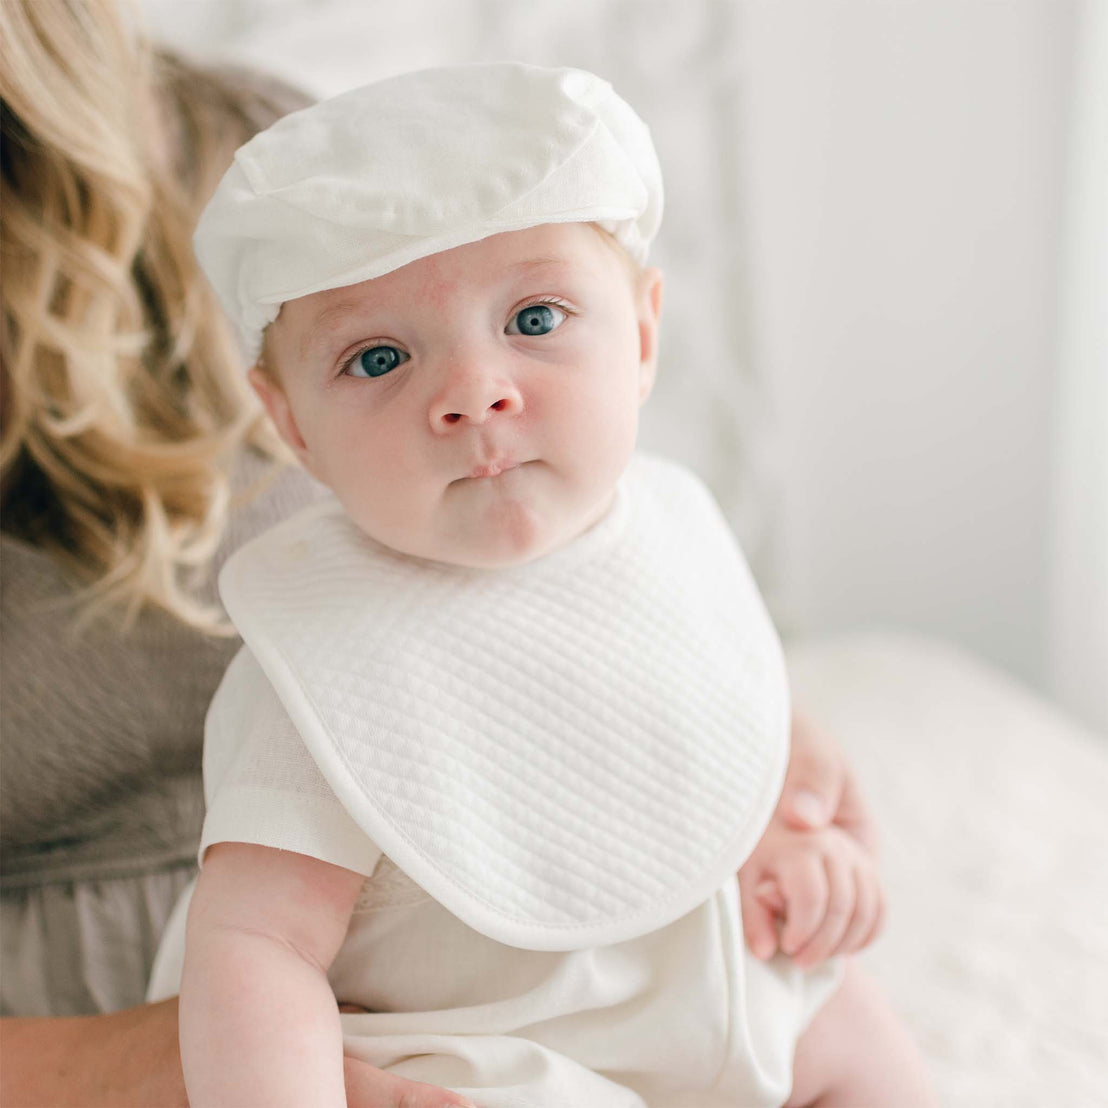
column 276, row 403
column 648, row 295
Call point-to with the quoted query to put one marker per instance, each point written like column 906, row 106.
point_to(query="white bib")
column 566, row 754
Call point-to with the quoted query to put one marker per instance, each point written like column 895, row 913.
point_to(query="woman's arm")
column 125, row 1058
column 259, row 1024
column 133, row 1058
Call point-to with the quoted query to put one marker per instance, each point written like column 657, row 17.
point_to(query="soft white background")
column 882, row 346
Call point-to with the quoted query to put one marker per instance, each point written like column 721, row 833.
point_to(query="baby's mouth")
column 494, row 469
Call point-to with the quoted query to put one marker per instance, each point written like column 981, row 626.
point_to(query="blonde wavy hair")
column 124, row 400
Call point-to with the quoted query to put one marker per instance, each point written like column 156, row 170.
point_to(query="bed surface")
column 991, row 805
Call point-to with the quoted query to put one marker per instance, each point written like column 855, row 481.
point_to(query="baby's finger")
column 769, row 893
column 759, row 923
column 867, row 895
column 804, row 884
column 841, row 897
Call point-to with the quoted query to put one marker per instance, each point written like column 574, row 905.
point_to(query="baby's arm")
column 259, row 1023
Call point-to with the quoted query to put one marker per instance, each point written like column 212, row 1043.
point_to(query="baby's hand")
column 820, row 887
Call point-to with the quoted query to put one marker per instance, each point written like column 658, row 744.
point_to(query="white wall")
column 905, row 176
column 1079, row 518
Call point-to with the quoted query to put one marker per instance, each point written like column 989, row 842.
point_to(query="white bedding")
column 995, row 858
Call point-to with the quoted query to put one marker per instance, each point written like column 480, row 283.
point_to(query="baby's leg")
column 856, row 1054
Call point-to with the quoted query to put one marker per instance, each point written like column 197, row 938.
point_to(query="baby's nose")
column 474, row 398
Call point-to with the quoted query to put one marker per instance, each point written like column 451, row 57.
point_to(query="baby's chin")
column 504, row 536
column 491, row 532
column 514, row 537
column 512, row 534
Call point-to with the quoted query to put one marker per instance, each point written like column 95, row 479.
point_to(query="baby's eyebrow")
column 536, row 263
column 328, row 320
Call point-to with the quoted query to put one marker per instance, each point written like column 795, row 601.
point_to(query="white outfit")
column 550, row 776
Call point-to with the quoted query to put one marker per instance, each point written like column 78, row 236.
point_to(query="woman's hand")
column 810, row 886
column 369, row 1087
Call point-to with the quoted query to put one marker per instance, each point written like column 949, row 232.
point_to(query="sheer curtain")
column 1078, row 648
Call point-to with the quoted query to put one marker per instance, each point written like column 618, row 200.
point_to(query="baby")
column 510, row 713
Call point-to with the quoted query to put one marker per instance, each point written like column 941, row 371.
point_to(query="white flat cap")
column 361, row 184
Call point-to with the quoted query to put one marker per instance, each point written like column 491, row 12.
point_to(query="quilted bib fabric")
column 566, row 754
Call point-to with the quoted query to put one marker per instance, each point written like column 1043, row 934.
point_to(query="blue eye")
column 376, row 361
column 538, row 319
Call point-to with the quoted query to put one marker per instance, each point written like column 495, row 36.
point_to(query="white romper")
column 549, row 775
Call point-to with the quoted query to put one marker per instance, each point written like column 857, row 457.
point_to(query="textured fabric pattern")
column 102, row 733
column 564, row 754
column 262, row 786
column 101, row 802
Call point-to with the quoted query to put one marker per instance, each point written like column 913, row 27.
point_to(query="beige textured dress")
column 101, row 801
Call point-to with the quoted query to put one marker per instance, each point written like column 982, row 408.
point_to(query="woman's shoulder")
column 264, row 491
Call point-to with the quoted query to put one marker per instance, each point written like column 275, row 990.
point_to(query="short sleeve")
column 261, row 783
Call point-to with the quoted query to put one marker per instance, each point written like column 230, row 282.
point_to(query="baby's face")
column 477, row 406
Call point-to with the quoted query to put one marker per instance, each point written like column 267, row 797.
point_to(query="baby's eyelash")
column 348, row 362
column 555, row 301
